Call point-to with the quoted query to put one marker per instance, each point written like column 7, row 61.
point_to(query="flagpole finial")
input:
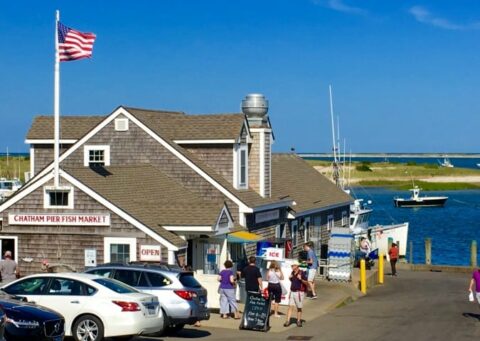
column 57, row 15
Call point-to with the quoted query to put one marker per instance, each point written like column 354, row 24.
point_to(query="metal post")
column 380, row 268
column 363, row 277
column 411, row 253
column 473, row 254
column 428, row 251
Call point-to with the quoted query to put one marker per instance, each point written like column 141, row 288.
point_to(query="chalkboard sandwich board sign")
column 256, row 315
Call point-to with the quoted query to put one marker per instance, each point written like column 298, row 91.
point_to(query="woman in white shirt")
column 274, row 276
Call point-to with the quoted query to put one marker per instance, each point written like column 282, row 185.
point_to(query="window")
column 119, row 253
column 188, row 280
column 69, row 287
column 344, row 218
column 130, row 277
column 158, row 280
column 115, row 286
column 120, row 250
column 96, row 156
column 330, row 222
column 61, row 197
column 29, row 286
column 240, row 166
column 101, row 272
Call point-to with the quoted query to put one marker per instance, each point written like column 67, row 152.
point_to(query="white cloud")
column 423, row 15
column 341, row 6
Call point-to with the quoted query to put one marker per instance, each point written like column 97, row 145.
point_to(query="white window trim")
column 88, row 148
column 344, row 218
column 294, row 233
column 307, row 229
column 46, row 197
column 119, row 121
column 15, row 245
column 107, row 241
column 32, row 162
column 330, row 222
column 236, row 165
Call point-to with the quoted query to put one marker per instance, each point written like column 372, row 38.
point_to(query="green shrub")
column 411, row 163
column 363, row 168
column 431, row 166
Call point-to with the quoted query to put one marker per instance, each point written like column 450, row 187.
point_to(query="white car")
column 94, row 307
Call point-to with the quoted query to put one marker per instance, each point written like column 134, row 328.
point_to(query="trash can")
column 242, row 291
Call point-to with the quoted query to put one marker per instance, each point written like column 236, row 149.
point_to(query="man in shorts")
column 475, row 282
column 298, row 286
column 312, row 262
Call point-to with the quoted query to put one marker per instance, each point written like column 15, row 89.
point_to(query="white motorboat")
column 419, row 201
column 446, row 163
column 380, row 236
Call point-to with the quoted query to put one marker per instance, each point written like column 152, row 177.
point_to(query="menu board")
column 256, row 314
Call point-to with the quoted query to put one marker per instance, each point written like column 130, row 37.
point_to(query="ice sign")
column 273, row 253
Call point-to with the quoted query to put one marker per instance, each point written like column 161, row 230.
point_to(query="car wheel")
column 87, row 328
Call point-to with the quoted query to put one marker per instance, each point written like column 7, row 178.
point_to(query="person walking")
column 393, row 254
column 226, row 290
column 8, row 268
column 252, row 275
column 475, row 284
column 274, row 276
column 312, row 262
column 299, row 282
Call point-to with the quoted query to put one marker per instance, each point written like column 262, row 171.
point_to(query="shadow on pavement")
column 472, row 315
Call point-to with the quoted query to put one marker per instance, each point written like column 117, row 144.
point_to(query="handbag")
column 470, row 297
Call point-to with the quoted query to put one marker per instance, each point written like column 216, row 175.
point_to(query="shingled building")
column 166, row 186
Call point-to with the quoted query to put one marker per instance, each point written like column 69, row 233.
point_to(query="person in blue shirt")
column 312, row 262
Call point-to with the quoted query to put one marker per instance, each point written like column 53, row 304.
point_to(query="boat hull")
column 422, row 202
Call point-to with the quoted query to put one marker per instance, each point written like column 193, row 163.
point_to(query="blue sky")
column 405, row 74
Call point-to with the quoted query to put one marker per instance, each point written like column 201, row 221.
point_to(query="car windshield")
column 188, row 280
column 115, row 285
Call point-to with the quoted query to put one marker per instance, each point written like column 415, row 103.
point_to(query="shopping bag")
column 284, row 289
column 470, row 297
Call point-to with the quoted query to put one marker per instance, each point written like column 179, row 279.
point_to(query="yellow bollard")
column 380, row 268
column 363, row 277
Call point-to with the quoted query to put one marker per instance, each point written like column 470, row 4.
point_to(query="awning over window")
column 243, row 237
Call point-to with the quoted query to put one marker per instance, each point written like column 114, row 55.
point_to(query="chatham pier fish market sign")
column 59, row 219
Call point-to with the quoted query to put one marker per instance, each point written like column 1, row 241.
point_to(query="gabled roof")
column 150, row 196
column 170, row 124
column 71, row 127
column 191, row 127
column 294, row 178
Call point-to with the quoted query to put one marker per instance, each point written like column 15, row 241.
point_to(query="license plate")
column 57, row 338
column 203, row 300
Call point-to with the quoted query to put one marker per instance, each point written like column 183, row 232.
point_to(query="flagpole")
column 56, row 105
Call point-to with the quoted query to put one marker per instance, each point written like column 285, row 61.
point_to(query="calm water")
column 457, row 162
column 452, row 228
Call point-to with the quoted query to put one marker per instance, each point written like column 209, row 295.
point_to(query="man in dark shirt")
column 299, row 282
column 252, row 275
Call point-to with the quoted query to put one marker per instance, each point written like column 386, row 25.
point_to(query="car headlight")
column 24, row 324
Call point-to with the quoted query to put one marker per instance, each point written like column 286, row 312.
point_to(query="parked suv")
column 181, row 296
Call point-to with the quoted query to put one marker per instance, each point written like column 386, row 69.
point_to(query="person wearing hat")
column 8, row 268
column 298, row 286
column 393, row 254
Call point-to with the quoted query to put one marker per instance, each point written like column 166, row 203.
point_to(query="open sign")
column 150, row 253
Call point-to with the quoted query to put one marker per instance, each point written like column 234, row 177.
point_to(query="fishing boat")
column 8, row 187
column 380, row 236
column 419, row 201
column 446, row 163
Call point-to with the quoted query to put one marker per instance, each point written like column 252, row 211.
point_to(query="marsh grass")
column 14, row 167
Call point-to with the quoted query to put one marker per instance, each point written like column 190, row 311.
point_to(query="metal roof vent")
column 255, row 106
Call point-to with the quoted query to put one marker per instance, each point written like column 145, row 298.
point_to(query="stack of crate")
column 340, row 254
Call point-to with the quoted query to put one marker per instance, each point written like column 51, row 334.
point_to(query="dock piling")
column 411, row 253
column 473, row 254
column 428, row 251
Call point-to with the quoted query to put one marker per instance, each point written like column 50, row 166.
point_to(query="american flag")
column 72, row 44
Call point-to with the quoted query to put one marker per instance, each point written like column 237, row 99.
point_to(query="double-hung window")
column 241, row 166
column 96, row 156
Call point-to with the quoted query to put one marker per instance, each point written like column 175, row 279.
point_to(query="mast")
column 335, row 175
